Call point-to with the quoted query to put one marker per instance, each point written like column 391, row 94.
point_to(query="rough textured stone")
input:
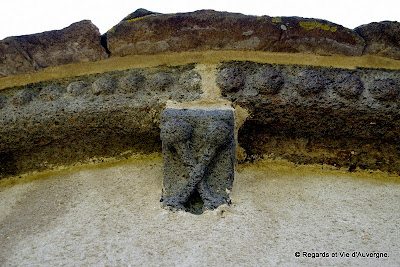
column 352, row 129
column 385, row 89
column 77, row 88
column 51, row 93
column 190, row 80
column 325, row 127
column 231, row 79
column 23, row 97
column 131, row 83
column 208, row 29
column 77, row 126
column 139, row 13
column 198, row 155
column 269, row 81
column 349, row 85
column 311, row 82
column 3, row 101
column 104, row 86
column 161, row 81
column 79, row 42
column 381, row 38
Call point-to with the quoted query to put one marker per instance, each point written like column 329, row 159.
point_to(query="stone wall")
column 146, row 32
column 64, row 121
column 306, row 114
column 346, row 118
column 321, row 115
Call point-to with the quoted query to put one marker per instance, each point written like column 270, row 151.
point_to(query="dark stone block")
column 269, row 81
column 80, row 42
column 385, row 89
column 349, row 86
column 381, row 38
column 231, row 79
column 198, row 154
column 311, row 82
column 145, row 33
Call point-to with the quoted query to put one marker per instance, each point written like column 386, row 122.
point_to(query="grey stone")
column 23, row 97
column 349, row 86
column 381, row 38
column 269, row 81
column 51, row 93
column 323, row 128
column 45, row 134
column 80, row 42
column 104, row 86
column 161, row 81
column 231, row 79
column 3, row 101
column 190, row 80
column 311, row 82
column 385, row 89
column 353, row 123
column 77, row 88
column 130, row 83
column 198, row 153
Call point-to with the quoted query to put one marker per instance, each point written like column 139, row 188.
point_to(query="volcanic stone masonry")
column 145, row 32
column 198, row 158
column 101, row 115
column 346, row 118
column 321, row 115
column 306, row 114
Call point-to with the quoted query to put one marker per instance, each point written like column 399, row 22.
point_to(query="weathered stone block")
column 198, row 153
column 80, row 42
column 144, row 32
column 381, row 38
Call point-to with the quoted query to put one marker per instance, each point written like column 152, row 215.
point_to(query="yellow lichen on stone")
column 333, row 29
column 277, row 19
column 139, row 18
column 262, row 19
column 311, row 25
column 112, row 30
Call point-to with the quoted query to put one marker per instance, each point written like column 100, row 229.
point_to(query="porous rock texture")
column 149, row 33
column 343, row 117
column 145, row 32
column 80, row 42
column 381, row 38
column 198, row 158
column 63, row 121
column 346, row 118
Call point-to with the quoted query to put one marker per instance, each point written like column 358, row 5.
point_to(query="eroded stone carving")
column 269, row 81
column 311, row 82
column 231, row 79
column 349, row 86
column 198, row 152
column 385, row 89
